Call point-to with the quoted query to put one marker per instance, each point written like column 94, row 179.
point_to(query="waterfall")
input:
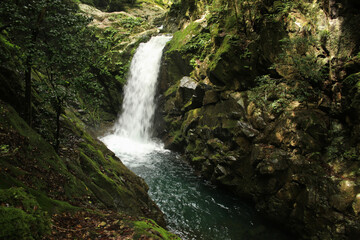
column 133, row 128
column 194, row 209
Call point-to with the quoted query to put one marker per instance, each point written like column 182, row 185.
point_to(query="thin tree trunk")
column 28, row 99
column 252, row 20
column 28, row 109
column 57, row 134
column 243, row 17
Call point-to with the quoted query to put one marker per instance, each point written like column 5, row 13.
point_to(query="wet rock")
column 247, row 129
column 339, row 202
column 241, row 98
column 211, row 97
column 217, row 145
column 243, row 145
column 236, row 115
column 345, row 197
column 269, row 159
column 185, row 91
column 324, row 103
column 173, row 68
column 230, row 158
column 188, row 83
column 356, row 205
column 192, row 118
column 257, row 119
column 220, row 170
column 229, row 123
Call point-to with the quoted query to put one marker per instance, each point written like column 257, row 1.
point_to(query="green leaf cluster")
column 300, row 58
column 51, row 41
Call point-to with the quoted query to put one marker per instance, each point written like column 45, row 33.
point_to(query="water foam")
column 132, row 132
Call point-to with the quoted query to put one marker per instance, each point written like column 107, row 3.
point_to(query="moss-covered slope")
column 87, row 176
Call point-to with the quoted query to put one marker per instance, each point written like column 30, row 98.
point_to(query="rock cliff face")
column 262, row 98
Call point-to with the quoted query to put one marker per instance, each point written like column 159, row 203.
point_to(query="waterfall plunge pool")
column 194, row 209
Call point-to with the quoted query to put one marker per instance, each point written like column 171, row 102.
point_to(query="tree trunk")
column 236, row 15
column 28, row 110
column 243, row 17
column 251, row 19
column 28, row 100
column 57, row 134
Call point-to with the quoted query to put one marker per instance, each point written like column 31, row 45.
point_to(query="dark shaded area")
column 109, row 5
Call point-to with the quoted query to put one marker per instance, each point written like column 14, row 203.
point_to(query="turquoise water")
column 194, row 208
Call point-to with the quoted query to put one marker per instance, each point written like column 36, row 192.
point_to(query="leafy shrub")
column 300, row 59
column 131, row 22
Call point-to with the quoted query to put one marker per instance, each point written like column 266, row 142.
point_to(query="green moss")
column 197, row 45
column 229, row 123
column 190, row 148
column 16, row 224
column 353, row 81
column 199, row 146
column 216, row 157
column 187, row 105
column 52, row 205
column 198, row 159
column 21, row 216
column 181, row 38
column 172, row 89
column 224, row 48
column 230, row 22
column 177, row 136
column 149, row 229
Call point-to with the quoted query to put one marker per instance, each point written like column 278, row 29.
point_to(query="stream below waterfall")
column 194, row 208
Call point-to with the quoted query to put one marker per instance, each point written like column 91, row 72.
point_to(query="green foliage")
column 283, row 7
column 131, row 22
column 181, row 38
column 352, row 154
column 20, row 216
column 224, row 48
column 4, row 149
column 263, row 80
column 300, row 60
column 52, row 40
column 120, row 79
column 8, row 50
column 172, row 89
column 197, row 46
column 266, row 86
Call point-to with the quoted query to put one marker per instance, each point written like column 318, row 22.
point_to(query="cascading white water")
column 138, row 105
column 132, row 132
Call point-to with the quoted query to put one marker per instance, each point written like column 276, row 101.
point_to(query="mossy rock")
column 232, row 67
column 107, row 177
column 21, row 216
column 147, row 228
column 87, row 173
